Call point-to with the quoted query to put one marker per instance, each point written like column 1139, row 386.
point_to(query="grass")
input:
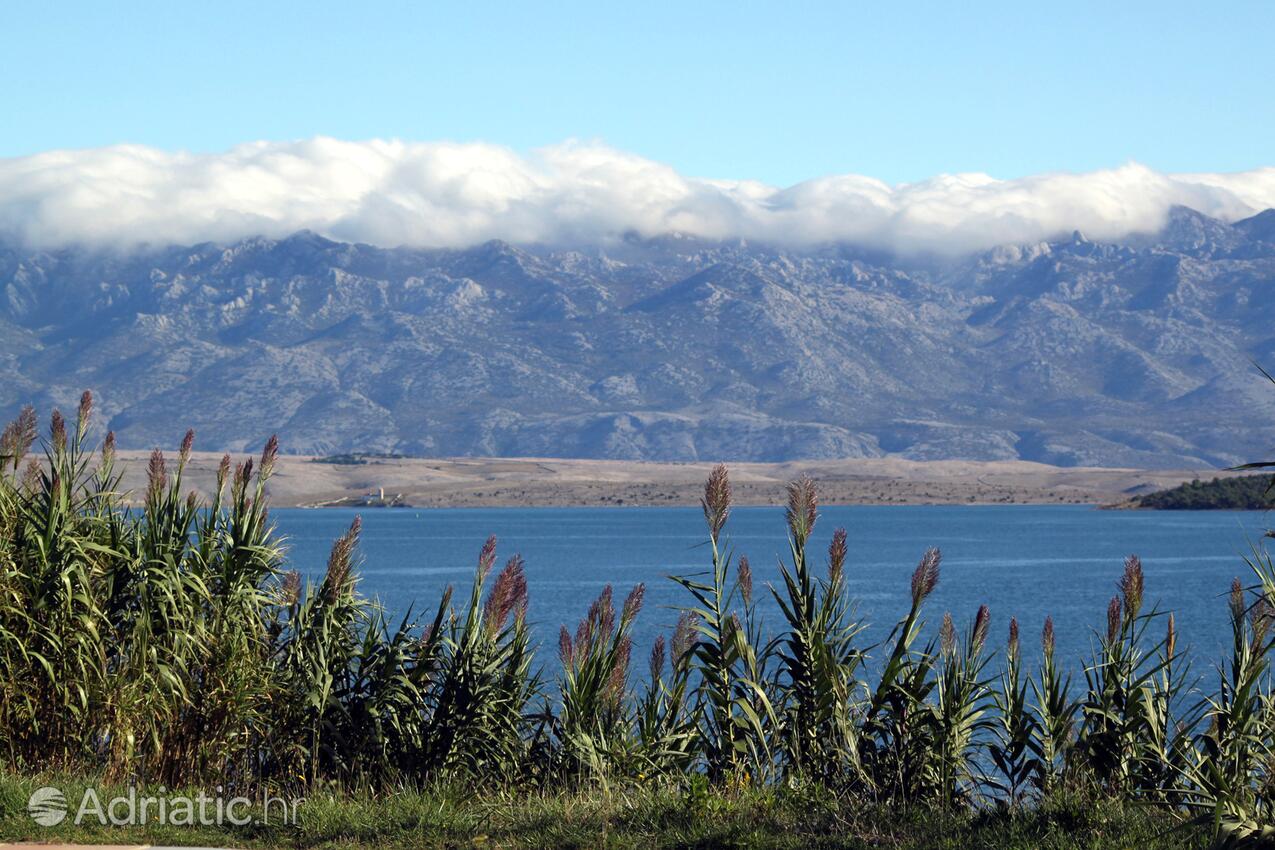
column 634, row 817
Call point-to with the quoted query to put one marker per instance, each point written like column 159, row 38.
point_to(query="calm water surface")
column 1024, row 561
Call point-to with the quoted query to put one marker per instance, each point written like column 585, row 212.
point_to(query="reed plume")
column 926, row 576
column 717, row 500
column 803, row 508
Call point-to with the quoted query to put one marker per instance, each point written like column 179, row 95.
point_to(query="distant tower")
column 380, row 493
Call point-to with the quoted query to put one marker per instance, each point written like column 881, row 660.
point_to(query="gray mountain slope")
column 1071, row 352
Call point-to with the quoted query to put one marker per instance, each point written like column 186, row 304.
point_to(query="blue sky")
column 774, row 92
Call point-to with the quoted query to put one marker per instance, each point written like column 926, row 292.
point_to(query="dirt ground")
column 474, row 482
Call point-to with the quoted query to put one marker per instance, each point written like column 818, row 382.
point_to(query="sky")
column 774, row 92
column 930, row 127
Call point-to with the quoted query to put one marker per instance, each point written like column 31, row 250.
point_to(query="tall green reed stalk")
column 666, row 726
column 482, row 683
column 1228, row 780
column 735, row 709
column 1015, row 728
column 1054, row 723
column 1117, row 735
column 594, row 723
column 900, row 753
column 964, row 701
column 816, row 655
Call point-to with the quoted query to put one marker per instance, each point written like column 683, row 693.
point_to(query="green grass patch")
column 629, row 817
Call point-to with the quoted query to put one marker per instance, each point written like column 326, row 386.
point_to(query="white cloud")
column 446, row 194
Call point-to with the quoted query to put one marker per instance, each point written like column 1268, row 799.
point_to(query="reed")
column 963, row 703
column 1054, row 718
column 666, row 727
column 733, row 734
column 899, row 746
column 594, row 724
column 1015, row 727
column 1117, row 735
column 819, row 695
column 1227, row 780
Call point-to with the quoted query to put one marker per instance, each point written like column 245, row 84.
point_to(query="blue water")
column 1024, row 561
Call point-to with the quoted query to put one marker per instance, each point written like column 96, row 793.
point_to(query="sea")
column 1023, row 561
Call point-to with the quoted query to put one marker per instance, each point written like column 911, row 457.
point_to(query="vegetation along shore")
column 1236, row 493
column 172, row 647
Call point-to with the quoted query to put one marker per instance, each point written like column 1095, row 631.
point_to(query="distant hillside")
column 1069, row 352
column 1242, row 493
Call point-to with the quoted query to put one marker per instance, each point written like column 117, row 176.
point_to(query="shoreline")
column 420, row 483
column 823, row 503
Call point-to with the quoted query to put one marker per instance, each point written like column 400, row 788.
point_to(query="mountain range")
column 1069, row 352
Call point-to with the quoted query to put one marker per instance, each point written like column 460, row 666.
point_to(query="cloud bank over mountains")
column 442, row 194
